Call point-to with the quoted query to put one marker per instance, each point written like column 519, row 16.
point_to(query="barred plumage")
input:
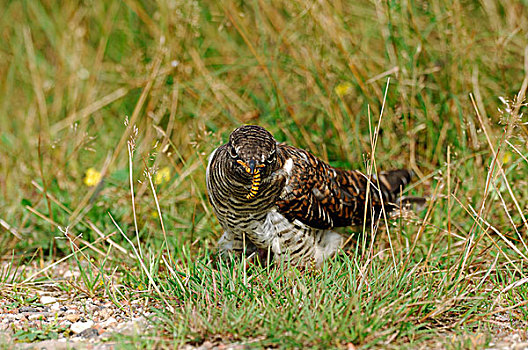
column 282, row 199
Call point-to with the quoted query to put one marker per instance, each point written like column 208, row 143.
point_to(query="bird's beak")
column 251, row 167
column 252, row 164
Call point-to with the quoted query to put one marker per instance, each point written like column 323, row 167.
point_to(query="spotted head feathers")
column 253, row 151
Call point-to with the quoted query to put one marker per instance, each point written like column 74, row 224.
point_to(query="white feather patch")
column 288, row 166
column 209, row 163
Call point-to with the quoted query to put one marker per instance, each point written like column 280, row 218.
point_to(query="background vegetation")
column 82, row 82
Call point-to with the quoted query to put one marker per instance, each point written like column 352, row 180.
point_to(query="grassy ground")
column 144, row 91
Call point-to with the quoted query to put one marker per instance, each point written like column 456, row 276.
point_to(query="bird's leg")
column 255, row 255
column 234, row 246
column 259, row 256
column 230, row 244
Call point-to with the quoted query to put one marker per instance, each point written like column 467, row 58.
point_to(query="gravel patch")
column 41, row 316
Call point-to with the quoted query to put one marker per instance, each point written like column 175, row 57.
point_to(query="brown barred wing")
column 325, row 197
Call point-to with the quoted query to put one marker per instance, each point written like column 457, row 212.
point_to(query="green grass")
column 187, row 73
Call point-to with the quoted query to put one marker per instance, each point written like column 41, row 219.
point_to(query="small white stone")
column 106, row 313
column 55, row 307
column 109, row 322
column 65, row 323
column 78, row 327
column 72, row 317
column 71, row 274
column 46, row 300
column 35, row 317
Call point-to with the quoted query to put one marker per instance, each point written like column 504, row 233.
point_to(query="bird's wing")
column 322, row 196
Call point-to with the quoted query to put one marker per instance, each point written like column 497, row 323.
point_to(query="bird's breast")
column 270, row 230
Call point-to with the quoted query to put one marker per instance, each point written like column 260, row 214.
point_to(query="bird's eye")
column 233, row 153
column 271, row 157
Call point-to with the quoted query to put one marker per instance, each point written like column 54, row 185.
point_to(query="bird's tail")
column 408, row 202
column 393, row 181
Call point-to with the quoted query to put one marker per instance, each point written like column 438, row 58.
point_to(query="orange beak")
column 252, row 167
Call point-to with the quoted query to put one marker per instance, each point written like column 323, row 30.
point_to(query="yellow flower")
column 92, row 177
column 506, row 157
column 162, row 175
column 343, row 89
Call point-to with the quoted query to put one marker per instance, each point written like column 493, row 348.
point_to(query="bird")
column 275, row 198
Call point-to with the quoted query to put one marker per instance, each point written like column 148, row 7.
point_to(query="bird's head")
column 253, row 153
